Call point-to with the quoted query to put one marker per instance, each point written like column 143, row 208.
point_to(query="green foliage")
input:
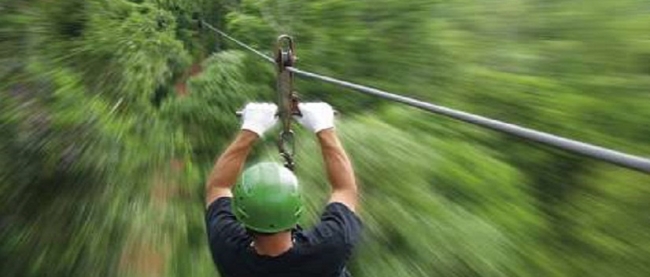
column 140, row 45
column 417, row 223
column 208, row 114
column 112, row 111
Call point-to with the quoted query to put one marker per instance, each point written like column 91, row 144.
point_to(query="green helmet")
column 267, row 198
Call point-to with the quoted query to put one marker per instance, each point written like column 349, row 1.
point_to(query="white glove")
column 259, row 117
column 316, row 116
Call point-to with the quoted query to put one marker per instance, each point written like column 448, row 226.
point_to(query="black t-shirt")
column 320, row 251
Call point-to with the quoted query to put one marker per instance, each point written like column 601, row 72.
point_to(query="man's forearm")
column 229, row 165
column 338, row 166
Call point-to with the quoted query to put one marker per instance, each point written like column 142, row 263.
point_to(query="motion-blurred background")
column 112, row 112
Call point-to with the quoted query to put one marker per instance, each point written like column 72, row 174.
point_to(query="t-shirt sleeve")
column 222, row 225
column 338, row 225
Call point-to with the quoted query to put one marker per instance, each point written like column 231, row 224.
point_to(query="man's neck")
column 273, row 245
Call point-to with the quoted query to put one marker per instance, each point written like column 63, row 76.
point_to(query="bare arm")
column 339, row 169
column 228, row 167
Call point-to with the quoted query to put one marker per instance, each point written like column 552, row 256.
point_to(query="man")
column 254, row 232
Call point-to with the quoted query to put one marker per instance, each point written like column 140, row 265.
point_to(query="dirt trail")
column 181, row 86
column 141, row 256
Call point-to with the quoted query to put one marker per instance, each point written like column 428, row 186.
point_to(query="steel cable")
column 581, row 148
column 244, row 45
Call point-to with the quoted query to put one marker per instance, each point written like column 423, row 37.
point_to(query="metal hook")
column 287, row 147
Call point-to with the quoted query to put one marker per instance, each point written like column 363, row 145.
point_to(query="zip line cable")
column 267, row 58
column 585, row 149
column 592, row 151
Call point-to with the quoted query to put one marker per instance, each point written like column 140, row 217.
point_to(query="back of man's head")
column 267, row 198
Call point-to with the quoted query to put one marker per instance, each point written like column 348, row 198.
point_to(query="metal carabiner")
column 287, row 147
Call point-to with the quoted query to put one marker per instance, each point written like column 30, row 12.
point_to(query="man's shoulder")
column 338, row 208
column 338, row 229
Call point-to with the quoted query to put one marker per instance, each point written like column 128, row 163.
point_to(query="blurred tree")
column 102, row 154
